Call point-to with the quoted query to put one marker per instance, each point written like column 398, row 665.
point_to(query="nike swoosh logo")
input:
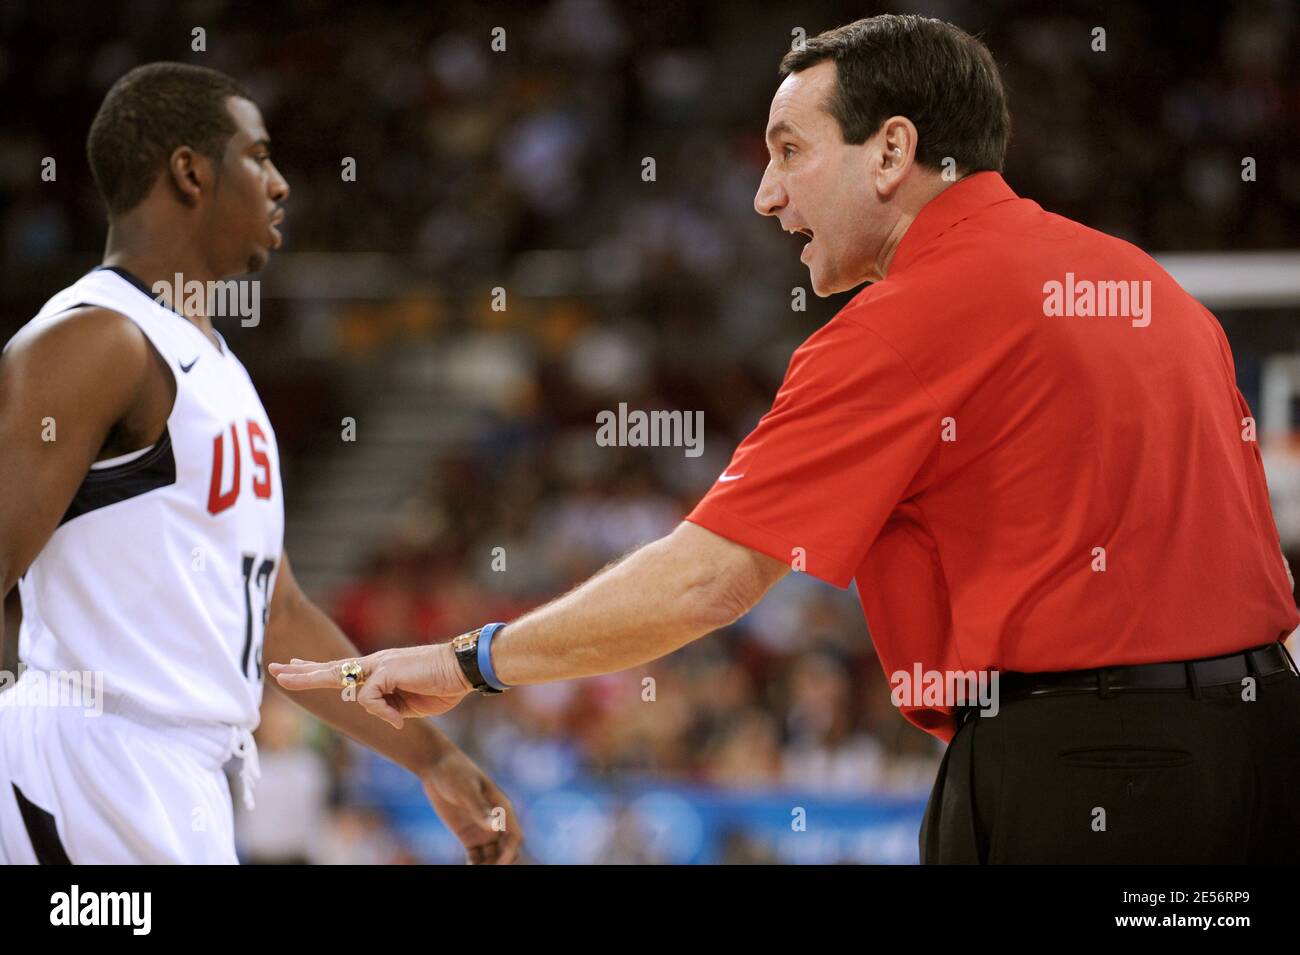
column 186, row 368
column 724, row 476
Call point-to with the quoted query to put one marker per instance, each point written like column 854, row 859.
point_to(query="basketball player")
column 144, row 517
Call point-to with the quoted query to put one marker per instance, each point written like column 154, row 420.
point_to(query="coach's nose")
column 770, row 198
column 279, row 186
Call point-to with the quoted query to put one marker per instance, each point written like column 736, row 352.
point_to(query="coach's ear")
column 894, row 153
column 190, row 173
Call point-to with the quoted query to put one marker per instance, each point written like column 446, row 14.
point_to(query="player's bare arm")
column 84, row 386
column 660, row 598
column 467, row 801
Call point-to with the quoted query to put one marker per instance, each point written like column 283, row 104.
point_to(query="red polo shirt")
column 1022, row 464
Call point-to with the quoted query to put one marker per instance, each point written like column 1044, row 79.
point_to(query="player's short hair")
column 147, row 114
column 940, row 77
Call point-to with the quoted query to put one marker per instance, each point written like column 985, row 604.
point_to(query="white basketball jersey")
column 161, row 572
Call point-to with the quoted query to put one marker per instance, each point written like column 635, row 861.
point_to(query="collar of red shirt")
column 959, row 201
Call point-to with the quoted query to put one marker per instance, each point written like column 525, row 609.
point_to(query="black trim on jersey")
column 133, row 279
column 99, row 488
column 42, row 831
column 156, row 299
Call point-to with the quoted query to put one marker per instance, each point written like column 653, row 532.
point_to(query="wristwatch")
column 473, row 653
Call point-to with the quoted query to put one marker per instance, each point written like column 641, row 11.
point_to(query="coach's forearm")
column 306, row 632
column 651, row 603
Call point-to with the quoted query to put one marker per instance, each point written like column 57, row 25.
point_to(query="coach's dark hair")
column 145, row 116
column 941, row 78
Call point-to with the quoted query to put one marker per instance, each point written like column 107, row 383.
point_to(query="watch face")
column 464, row 642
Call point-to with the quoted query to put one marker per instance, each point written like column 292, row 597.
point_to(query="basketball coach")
column 1025, row 444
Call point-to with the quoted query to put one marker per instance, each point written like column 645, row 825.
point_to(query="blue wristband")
column 485, row 656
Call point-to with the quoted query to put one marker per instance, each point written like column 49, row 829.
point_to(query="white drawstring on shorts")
column 250, row 770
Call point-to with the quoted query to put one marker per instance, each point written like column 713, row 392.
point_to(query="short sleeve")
column 849, row 436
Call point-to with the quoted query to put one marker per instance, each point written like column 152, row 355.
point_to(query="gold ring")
column 351, row 674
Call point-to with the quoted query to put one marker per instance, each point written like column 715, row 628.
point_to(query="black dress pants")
column 1140, row 776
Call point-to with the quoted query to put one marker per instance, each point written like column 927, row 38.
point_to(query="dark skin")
column 108, row 392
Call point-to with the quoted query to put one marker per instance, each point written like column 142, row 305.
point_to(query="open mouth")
column 807, row 235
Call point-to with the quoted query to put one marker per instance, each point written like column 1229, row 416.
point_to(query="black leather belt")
column 1190, row 675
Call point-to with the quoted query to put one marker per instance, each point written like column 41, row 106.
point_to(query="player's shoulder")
column 78, row 340
column 81, row 327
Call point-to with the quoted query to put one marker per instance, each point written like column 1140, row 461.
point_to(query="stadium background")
column 475, row 428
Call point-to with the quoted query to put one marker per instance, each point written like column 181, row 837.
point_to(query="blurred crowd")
column 471, row 157
column 651, row 283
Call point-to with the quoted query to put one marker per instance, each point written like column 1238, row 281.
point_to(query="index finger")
column 307, row 676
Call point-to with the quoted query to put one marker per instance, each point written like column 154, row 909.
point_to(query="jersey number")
column 255, row 576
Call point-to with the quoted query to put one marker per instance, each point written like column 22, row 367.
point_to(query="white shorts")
column 109, row 789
